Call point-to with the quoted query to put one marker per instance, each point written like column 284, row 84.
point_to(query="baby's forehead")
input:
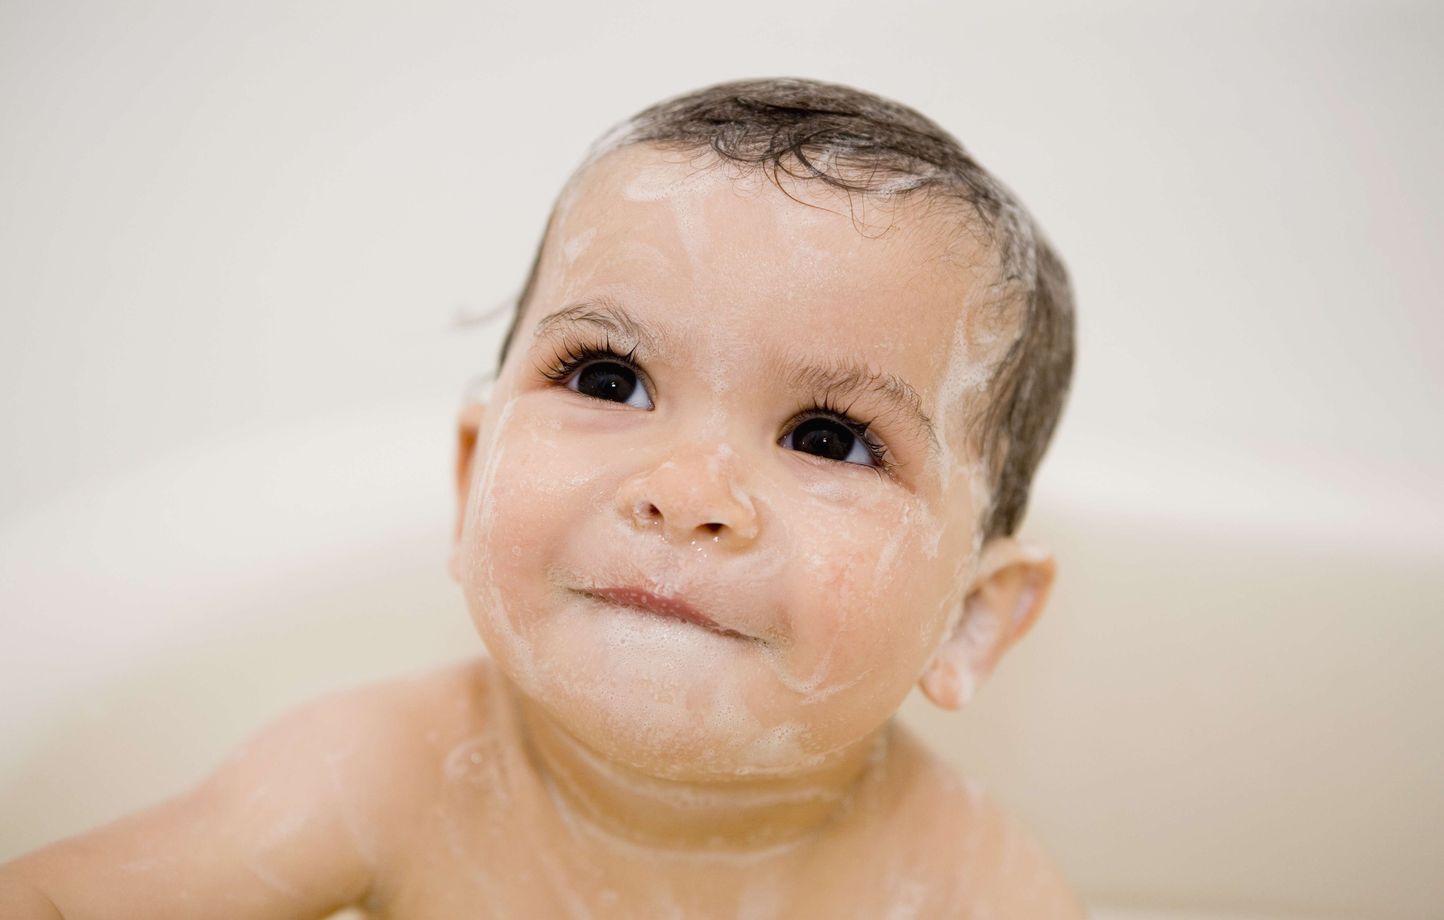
column 897, row 284
column 675, row 192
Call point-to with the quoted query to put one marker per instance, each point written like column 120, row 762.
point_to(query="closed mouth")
column 674, row 607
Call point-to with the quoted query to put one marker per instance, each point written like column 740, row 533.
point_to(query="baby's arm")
column 273, row 833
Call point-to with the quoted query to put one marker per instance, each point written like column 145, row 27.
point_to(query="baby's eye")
column 611, row 380
column 834, row 438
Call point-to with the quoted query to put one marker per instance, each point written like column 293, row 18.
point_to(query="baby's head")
column 786, row 355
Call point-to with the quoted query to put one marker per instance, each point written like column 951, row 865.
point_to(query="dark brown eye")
column 832, row 439
column 610, row 381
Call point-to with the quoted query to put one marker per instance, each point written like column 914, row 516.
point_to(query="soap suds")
column 481, row 511
column 647, row 687
column 683, row 195
column 362, row 836
column 576, row 245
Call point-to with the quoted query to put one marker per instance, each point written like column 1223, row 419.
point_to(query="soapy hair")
column 861, row 143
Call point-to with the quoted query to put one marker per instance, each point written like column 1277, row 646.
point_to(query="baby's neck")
column 744, row 815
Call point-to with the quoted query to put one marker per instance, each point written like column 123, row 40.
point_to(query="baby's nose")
column 693, row 495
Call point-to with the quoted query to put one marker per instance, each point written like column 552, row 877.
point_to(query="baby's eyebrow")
column 604, row 313
column 839, row 377
column 844, row 376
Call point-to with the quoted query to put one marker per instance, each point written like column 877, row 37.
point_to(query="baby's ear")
column 1003, row 602
column 468, row 423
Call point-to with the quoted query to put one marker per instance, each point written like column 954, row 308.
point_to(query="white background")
column 233, row 238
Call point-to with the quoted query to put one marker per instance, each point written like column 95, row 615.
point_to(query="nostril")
column 712, row 528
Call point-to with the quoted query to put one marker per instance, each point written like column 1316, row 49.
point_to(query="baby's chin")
column 661, row 696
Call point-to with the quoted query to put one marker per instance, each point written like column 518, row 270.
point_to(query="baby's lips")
column 673, row 606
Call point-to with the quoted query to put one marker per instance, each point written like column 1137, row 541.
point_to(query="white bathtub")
column 1231, row 707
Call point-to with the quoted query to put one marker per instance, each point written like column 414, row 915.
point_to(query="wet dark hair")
column 859, row 142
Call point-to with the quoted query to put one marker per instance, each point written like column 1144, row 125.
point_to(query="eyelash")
column 573, row 355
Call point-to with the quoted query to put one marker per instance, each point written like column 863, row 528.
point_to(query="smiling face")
column 663, row 423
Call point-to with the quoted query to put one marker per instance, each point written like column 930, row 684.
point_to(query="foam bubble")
column 575, row 245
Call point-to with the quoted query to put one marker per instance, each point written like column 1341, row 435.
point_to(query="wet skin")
column 663, row 424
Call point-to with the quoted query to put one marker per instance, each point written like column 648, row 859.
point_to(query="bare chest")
column 546, row 887
column 484, row 837
column 527, row 864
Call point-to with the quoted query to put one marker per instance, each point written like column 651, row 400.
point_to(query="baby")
column 751, row 467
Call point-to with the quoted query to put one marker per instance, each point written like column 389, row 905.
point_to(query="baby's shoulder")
column 424, row 703
column 380, row 739
column 395, row 715
column 309, row 814
column 403, row 721
column 991, row 860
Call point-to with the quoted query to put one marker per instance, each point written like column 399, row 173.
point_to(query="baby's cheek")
column 526, row 497
column 894, row 581
column 538, row 490
column 865, row 580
